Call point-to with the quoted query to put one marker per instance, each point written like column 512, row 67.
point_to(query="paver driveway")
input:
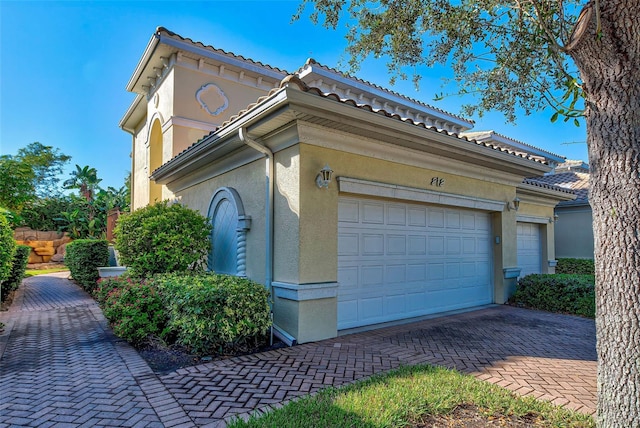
column 60, row 364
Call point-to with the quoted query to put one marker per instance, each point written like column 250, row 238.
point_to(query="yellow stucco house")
column 357, row 206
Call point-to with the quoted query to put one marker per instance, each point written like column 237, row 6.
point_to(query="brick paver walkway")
column 59, row 362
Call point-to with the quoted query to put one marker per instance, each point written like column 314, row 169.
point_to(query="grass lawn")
column 34, row 272
column 419, row 396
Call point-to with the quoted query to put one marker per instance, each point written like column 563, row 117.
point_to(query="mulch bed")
column 469, row 416
column 164, row 360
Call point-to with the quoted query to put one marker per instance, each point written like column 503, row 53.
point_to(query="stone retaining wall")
column 46, row 246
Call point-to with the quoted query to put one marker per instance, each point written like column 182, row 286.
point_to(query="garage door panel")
column 396, row 245
column 371, row 275
column 529, row 248
column 453, row 220
column 416, row 272
column 396, row 215
column 348, row 211
column 396, row 274
column 405, row 260
column 396, row 304
column 417, row 217
column 453, row 245
column 436, row 218
column 348, row 244
column 372, row 244
column 417, row 245
column 373, row 213
column 436, row 245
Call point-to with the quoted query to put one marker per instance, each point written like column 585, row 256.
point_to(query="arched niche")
column 228, row 238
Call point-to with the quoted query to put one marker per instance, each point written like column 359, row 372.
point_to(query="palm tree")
column 85, row 179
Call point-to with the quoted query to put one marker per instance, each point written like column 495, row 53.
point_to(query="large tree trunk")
column 610, row 68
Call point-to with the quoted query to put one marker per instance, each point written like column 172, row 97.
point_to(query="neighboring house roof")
column 578, row 182
column 573, row 165
column 303, row 87
column 500, row 140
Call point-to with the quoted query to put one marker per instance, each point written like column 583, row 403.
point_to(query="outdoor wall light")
column 514, row 205
column 324, row 178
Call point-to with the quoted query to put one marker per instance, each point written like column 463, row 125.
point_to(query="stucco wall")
column 140, row 160
column 287, row 194
column 574, row 232
column 189, row 81
column 249, row 181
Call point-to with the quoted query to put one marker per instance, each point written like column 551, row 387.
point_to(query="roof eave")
column 310, row 68
column 144, row 60
column 494, row 136
column 128, row 122
column 530, row 189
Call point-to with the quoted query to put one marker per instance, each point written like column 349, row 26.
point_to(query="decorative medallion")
column 212, row 99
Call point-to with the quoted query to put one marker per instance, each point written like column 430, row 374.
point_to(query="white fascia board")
column 144, row 60
column 207, row 53
column 330, row 109
column 384, row 94
column 135, row 107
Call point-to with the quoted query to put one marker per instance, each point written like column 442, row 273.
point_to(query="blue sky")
column 64, row 67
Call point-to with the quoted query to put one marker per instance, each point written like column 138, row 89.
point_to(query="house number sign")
column 437, row 181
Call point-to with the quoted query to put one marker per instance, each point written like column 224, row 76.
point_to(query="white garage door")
column 529, row 248
column 398, row 260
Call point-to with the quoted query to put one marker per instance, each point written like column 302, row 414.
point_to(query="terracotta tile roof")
column 381, row 88
column 542, row 184
column 219, row 51
column 488, row 134
column 578, row 182
column 293, row 79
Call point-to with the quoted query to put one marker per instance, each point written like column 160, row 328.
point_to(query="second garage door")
column 401, row 260
column 529, row 248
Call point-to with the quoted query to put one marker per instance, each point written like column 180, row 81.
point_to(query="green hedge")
column 83, row 257
column 208, row 314
column 211, row 313
column 7, row 248
column 562, row 293
column 163, row 238
column 133, row 308
column 575, row 266
column 18, row 267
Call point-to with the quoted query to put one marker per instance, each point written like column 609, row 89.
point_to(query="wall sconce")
column 324, row 178
column 555, row 218
column 514, row 205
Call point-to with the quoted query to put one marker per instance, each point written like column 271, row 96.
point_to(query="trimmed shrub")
column 576, row 266
column 104, row 286
column 134, row 309
column 211, row 313
column 7, row 248
column 18, row 267
column 83, row 257
column 163, row 238
column 561, row 293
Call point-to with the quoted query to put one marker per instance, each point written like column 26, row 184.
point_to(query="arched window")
column 228, row 237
